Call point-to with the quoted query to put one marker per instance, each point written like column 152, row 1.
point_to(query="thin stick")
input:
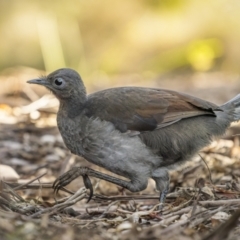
column 209, row 171
column 27, row 183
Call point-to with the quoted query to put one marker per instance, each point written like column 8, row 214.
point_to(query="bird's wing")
column 144, row 109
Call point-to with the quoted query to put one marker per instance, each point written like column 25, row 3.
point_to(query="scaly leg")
column 135, row 185
column 161, row 177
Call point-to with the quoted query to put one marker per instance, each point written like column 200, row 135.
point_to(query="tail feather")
column 233, row 105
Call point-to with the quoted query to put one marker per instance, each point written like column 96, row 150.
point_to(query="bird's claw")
column 69, row 176
column 88, row 185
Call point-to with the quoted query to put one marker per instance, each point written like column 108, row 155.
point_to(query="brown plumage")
column 145, row 109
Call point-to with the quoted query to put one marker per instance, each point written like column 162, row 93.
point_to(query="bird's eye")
column 58, row 81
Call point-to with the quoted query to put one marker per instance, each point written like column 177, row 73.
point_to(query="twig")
column 179, row 212
column 197, row 219
column 219, row 202
column 79, row 195
column 209, row 171
column 109, row 206
column 178, row 207
column 36, row 186
column 9, row 189
column 27, row 183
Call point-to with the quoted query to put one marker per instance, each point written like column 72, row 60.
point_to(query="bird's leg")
column 163, row 194
column 161, row 177
column 134, row 185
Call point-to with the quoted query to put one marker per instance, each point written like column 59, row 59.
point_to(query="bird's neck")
column 73, row 106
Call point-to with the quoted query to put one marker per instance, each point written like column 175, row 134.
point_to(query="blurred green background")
column 103, row 38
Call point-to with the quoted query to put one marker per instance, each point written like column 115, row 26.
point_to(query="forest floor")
column 203, row 201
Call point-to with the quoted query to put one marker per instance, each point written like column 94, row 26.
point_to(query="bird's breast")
column 70, row 130
column 101, row 143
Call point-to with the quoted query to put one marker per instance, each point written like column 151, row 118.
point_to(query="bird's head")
column 64, row 83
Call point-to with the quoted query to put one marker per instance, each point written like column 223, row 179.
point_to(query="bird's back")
column 145, row 109
column 173, row 125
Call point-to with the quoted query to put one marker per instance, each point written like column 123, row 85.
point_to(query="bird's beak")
column 40, row 81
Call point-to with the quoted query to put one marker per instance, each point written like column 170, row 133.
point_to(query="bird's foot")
column 162, row 199
column 72, row 174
